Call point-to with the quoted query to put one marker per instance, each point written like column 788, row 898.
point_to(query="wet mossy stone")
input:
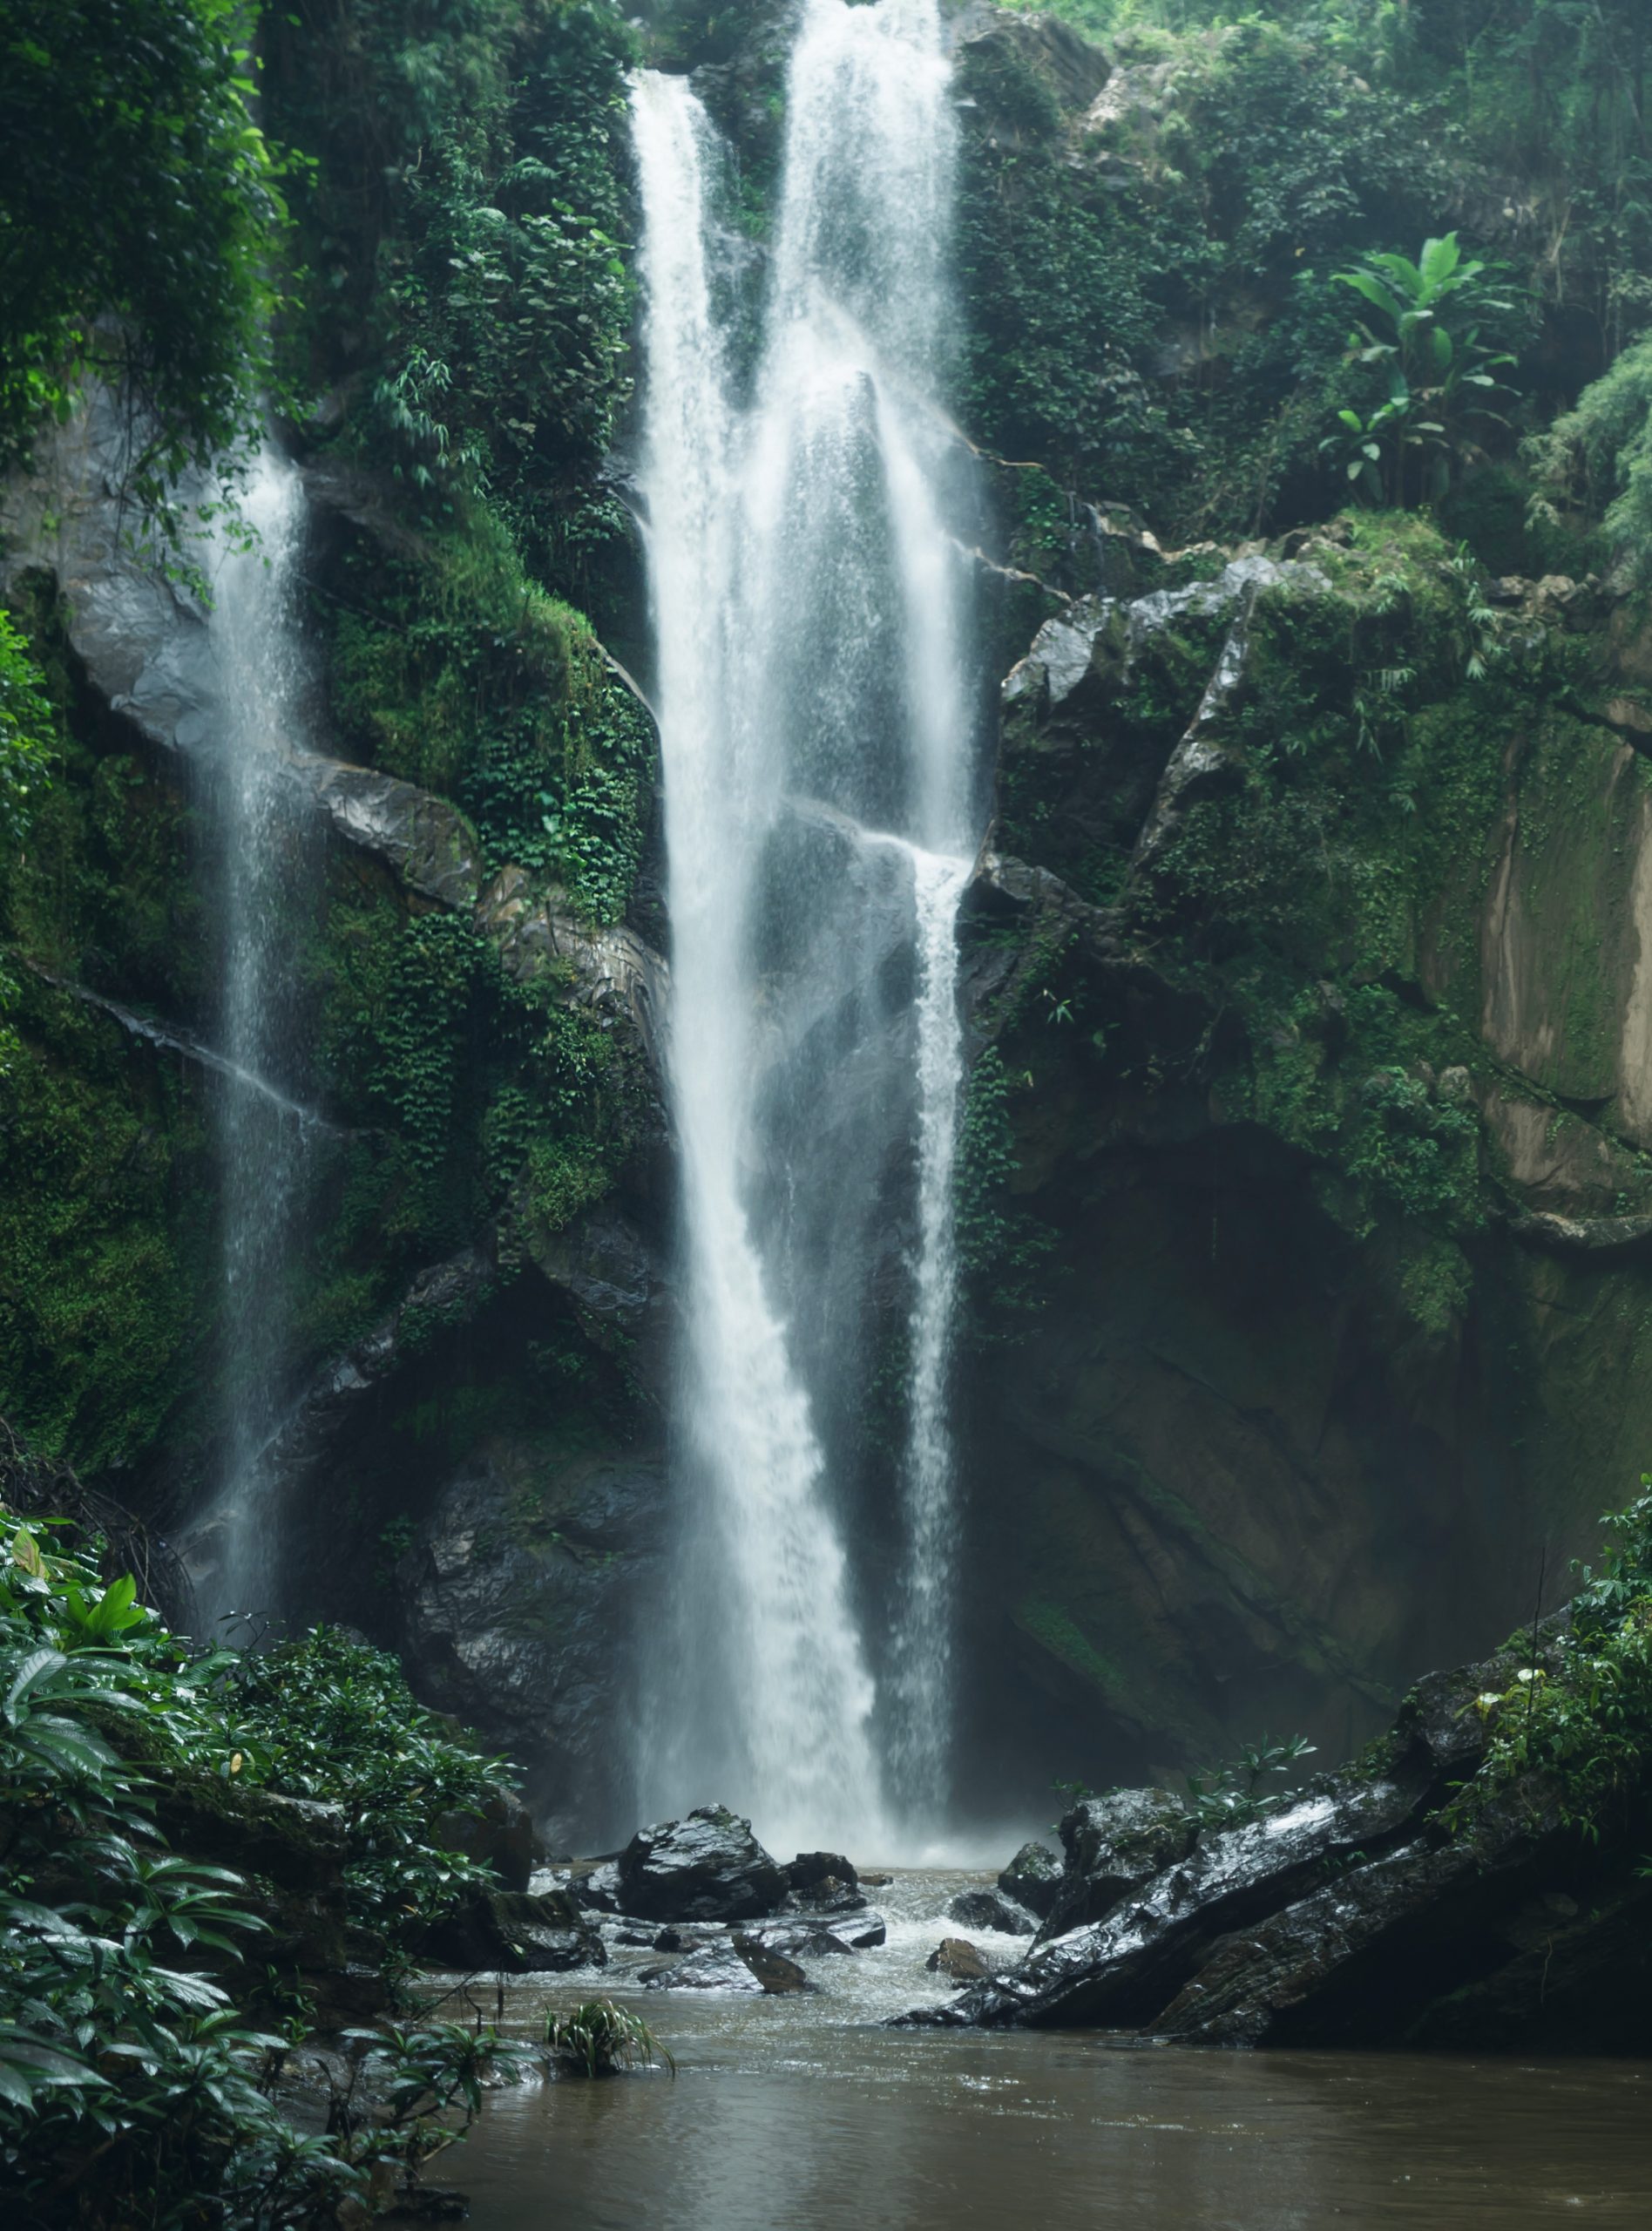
column 514, row 1933
column 1032, row 1879
column 990, row 1910
column 1113, row 1844
column 708, row 1867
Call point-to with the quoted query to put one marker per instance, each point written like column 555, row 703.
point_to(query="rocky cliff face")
column 1322, row 1054
column 1308, row 1208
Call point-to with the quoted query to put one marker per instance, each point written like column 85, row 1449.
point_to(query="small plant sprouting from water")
column 1228, row 1796
column 599, row 2038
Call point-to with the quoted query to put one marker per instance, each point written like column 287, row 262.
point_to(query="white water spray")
column 809, row 592
column 263, row 1137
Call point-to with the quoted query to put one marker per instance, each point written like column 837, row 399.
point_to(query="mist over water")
column 808, row 514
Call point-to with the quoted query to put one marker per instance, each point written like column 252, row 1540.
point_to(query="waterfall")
column 263, row 1138
column 804, row 519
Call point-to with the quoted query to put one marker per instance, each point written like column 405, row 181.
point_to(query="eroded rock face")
column 1113, row 1844
column 1032, row 1879
column 515, row 1933
column 708, row 1867
column 1352, row 1913
column 990, row 1910
column 518, row 1581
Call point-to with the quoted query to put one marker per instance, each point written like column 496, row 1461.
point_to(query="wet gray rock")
column 779, row 1975
column 798, row 1940
column 515, row 1933
column 736, row 1963
column 958, row 1957
column 708, row 1867
column 541, row 938
column 519, row 1577
column 991, row 1909
column 827, row 1899
column 500, row 1836
column 596, row 1888
column 1355, row 1914
column 1032, row 1879
column 861, row 1932
column 709, row 1967
column 811, row 1868
column 1113, row 1844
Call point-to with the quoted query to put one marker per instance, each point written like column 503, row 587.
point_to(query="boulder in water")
column 958, row 1957
column 707, row 1966
column 811, row 1867
column 1032, row 1879
column 860, row 1931
column 708, row 1868
column 515, row 1933
column 799, row 1939
column 778, row 1975
column 596, row 1887
column 730, row 1964
column 823, row 1882
column 1114, row 1844
column 991, row 1909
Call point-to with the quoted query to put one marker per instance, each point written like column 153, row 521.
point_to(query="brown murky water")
column 801, row 2114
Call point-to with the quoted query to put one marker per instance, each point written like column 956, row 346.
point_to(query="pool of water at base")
column 804, row 2113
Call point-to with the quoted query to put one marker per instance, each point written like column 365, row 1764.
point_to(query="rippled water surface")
column 804, row 2113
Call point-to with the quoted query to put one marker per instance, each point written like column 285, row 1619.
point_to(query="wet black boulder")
column 708, row 1867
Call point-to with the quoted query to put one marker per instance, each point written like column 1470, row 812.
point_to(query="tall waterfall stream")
column 263, row 1136
column 808, row 523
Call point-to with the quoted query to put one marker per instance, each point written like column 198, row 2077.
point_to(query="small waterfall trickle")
column 807, row 521
column 264, row 1141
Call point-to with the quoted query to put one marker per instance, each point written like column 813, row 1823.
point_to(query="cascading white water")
column 921, row 1738
column 817, row 720
column 258, row 657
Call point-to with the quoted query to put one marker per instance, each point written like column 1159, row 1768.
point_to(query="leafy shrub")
column 1574, row 1725
column 325, row 1717
column 1424, row 347
column 1598, row 458
column 131, row 2091
column 1229, row 1796
column 599, row 2038
column 136, row 184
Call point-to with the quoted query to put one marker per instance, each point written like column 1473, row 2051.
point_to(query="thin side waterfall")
column 921, row 1739
column 804, row 521
column 263, row 1139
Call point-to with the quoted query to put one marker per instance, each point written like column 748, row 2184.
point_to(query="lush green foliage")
column 131, row 2089
column 1228, row 1796
column 322, row 1716
column 470, row 209
column 599, row 2039
column 1598, row 458
column 139, row 215
column 1144, row 317
column 26, row 732
column 1151, row 289
column 460, row 673
column 1574, row 1725
column 1426, row 348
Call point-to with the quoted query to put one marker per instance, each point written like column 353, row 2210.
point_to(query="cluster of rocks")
column 1362, row 1910
column 728, row 1915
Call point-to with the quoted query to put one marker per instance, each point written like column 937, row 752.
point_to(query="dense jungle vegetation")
column 1378, row 267
column 410, row 224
